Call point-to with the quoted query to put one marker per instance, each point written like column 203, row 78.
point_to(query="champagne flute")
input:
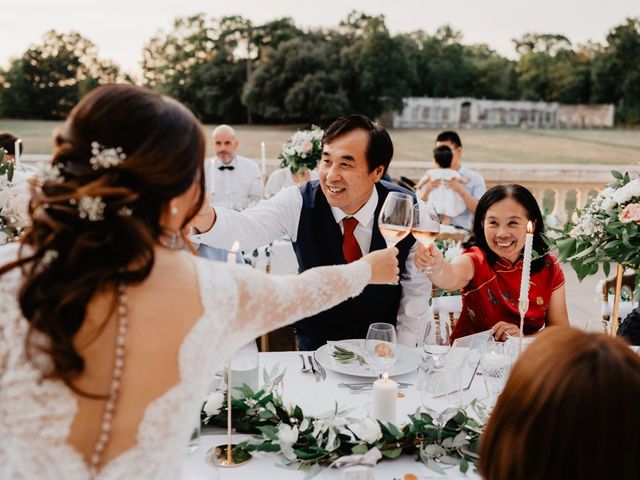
column 426, row 226
column 396, row 217
column 381, row 347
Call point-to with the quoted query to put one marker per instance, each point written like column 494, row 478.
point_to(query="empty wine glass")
column 435, row 348
column 495, row 363
column 426, row 226
column 396, row 217
column 380, row 347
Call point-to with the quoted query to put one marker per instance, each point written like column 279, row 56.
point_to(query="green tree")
column 616, row 71
column 50, row 77
column 549, row 69
column 298, row 81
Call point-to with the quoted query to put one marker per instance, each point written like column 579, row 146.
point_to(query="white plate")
column 407, row 359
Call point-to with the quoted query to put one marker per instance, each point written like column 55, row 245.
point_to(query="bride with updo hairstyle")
column 110, row 327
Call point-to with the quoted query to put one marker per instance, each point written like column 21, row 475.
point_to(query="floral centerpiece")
column 302, row 150
column 14, row 199
column 306, row 442
column 606, row 230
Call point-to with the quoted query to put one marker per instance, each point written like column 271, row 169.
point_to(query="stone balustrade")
column 559, row 188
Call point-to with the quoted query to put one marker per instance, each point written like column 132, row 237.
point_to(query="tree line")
column 231, row 70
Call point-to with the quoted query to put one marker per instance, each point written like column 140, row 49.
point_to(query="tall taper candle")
column 16, row 147
column 231, row 259
column 523, row 301
column 263, row 158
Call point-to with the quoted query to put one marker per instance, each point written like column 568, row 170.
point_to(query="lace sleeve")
column 267, row 302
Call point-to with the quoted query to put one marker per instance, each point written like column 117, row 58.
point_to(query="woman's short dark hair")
column 443, row 156
column 380, row 147
column 568, row 410
column 525, row 198
column 164, row 147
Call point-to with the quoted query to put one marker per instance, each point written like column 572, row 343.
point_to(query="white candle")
column 16, row 147
column 231, row 256
column 263, row 158
column 385, row 399
column 526, row 263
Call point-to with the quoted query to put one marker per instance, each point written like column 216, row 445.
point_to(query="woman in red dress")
column 489, row 273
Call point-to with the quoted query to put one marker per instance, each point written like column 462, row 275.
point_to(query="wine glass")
column 380, row 347
column 495, row 363
column 426, row 226
column 435, row 348
column 396, row 217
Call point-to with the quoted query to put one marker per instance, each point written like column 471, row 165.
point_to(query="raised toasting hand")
column 384, row 266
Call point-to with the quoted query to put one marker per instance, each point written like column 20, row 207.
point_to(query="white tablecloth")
column 316, row 398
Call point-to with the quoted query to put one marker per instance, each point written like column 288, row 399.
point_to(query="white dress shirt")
column 236, row 188
column 280, row 215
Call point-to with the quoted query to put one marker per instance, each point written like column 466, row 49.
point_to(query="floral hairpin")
column 91, row 208
column 49, row 173
column 105, row 157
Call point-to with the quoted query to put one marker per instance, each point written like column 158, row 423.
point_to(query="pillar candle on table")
column 385, row 399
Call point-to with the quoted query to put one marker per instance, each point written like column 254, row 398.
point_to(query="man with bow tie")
column 232, row 181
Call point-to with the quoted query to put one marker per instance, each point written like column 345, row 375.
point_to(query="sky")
column 120, row 28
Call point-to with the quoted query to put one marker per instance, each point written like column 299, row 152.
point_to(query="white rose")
column 287, row 435
column 3, row 238
column 214, row 402
column 367, row 430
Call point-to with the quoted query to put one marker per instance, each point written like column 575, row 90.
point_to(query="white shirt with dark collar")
column 234, row 187
column 280, row 216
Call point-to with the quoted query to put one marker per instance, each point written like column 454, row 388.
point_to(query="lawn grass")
column 502, row 145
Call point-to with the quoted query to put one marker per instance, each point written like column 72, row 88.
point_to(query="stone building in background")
column 425, row 112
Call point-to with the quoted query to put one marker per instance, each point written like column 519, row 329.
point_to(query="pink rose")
column 307, row 146
column 631, row 213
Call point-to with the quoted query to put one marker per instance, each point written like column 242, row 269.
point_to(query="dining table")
column 317, row 396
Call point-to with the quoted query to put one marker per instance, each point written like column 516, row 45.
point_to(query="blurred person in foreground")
column 568, row 411
column 110, row 328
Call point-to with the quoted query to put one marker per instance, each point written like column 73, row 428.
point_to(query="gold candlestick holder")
column 223, row 455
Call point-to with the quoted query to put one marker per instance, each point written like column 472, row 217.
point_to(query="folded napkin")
column 369, row 459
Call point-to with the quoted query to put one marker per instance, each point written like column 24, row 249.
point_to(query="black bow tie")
column 224, row 167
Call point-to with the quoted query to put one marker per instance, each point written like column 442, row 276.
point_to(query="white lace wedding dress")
column 36, row 414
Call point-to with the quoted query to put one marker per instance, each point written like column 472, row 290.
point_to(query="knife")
column 316, row 374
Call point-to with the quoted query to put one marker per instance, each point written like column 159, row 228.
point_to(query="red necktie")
column 350, row 248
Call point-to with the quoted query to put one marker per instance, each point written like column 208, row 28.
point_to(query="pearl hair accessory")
column 105, row 157
column 114, row 388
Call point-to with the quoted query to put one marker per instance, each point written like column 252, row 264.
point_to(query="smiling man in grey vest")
column 334, row 221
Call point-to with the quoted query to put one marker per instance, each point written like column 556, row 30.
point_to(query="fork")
column 320, row 368
column 304, row 365
column 316, row 373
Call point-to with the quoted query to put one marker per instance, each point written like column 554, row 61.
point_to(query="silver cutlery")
column 316, row 373
column 304, row 368
column 323, row 372
column 359, row 387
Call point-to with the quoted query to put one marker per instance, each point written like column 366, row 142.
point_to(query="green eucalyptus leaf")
column 395, row 453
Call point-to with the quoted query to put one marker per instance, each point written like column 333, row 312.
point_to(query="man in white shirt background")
column 231, row 180
column 328, row 220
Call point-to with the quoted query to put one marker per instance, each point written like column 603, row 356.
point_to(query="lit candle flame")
column 385, row 376
column 529, row 226
column 235, row 247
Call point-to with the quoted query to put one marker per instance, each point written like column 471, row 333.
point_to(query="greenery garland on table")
column 306, row 441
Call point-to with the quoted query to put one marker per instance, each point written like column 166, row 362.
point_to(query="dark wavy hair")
column 164, row 148
column 525, row 198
